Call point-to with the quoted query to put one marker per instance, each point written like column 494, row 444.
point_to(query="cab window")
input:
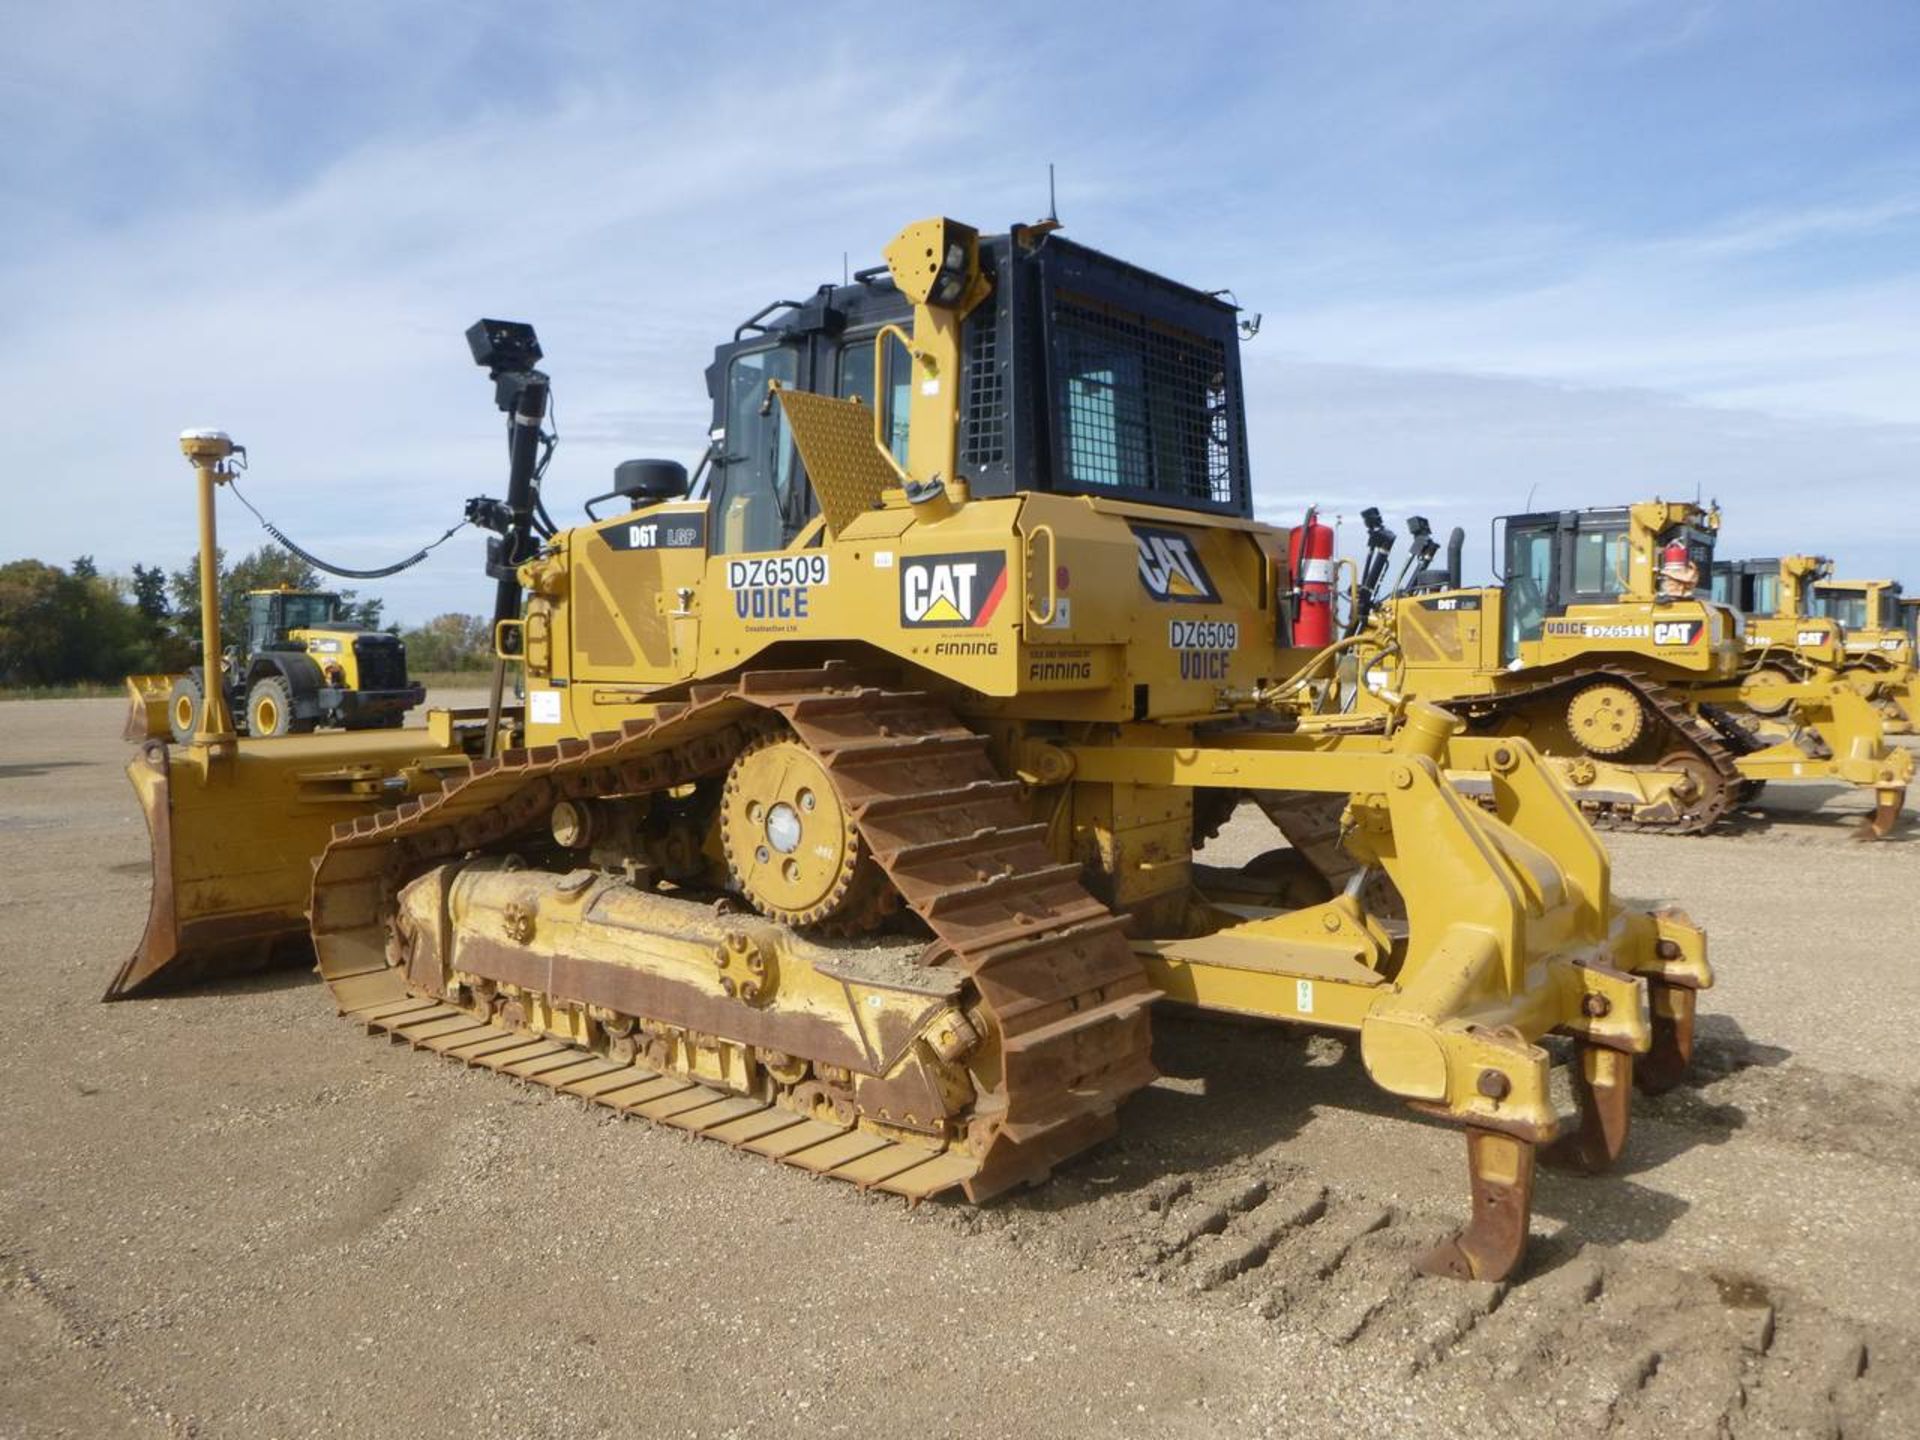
column 856, row 383
column 1849, row 610
column 1766, row 595
column 308, row 612
column 1529, row 583
column 260, row 621
column 1600, row 563
column 753, row 491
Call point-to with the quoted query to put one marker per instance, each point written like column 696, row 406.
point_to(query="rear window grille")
column 983, row 421
column 1146, row 405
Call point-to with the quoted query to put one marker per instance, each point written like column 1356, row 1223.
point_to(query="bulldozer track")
column 1740, row 740
column 1689, row 731
column 1053, row 972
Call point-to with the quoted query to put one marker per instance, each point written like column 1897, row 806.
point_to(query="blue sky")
column 1578, row 253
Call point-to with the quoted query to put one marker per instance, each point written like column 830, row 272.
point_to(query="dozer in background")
column 1880, row 638
column 851, row 818
column 1601, row 650
column 1788, row 644
column 302, row 664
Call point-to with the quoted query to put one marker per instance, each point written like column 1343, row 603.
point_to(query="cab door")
column 1530, row 589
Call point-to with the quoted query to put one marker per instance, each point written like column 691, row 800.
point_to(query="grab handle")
column 1052, row 574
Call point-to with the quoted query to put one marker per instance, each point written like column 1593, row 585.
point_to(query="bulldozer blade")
column 1887, row 805
column 234, row 833
column 147, row 697
column 1495, row 1236
column 1603, row 1087
column 1666, row 1064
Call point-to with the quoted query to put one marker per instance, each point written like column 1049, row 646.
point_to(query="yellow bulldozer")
column 302, row 664
column 851, row 816
column 1599, row 648
column 1879, row 625
column 1788, row 643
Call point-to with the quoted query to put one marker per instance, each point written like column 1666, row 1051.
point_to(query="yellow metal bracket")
column 849, row 469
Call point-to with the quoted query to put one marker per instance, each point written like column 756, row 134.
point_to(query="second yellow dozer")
column 1880, row 639
column 851, row 816
column 1599, row 648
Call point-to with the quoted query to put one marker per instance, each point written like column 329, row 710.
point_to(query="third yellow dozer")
column 1789, row 643
column 1601, row 650
column 851, row 818
column 1879, row 624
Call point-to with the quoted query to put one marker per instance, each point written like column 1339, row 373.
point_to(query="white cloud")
column 1462, row 449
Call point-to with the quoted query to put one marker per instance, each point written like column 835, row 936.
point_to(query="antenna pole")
column 1053, row 209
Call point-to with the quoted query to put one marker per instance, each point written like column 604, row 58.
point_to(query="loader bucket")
column 235, row 830
column 147, row 710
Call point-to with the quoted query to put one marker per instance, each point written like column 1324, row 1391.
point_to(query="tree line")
column 74, row 625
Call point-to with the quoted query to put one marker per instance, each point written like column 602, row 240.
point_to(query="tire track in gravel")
column 1589, row 1339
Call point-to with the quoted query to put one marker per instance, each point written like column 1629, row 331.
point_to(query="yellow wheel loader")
column 1600, row 649
column 850, row 817
column 1880, row 640
column 302, row 665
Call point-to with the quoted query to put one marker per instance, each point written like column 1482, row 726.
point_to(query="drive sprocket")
column 791, row 846
column 1606, row 718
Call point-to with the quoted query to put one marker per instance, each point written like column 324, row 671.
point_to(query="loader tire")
column 184, row 703
column 270, row 709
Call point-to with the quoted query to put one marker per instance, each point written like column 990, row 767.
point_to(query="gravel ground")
column 228, row 1213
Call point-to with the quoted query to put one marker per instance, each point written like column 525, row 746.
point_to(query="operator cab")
column 1560, row 558
column 1081, row 374
column 1857, row 606
column 1752, row 587
column 272, row 616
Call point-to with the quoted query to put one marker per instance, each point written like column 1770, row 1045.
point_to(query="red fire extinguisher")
column 1310, row 556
